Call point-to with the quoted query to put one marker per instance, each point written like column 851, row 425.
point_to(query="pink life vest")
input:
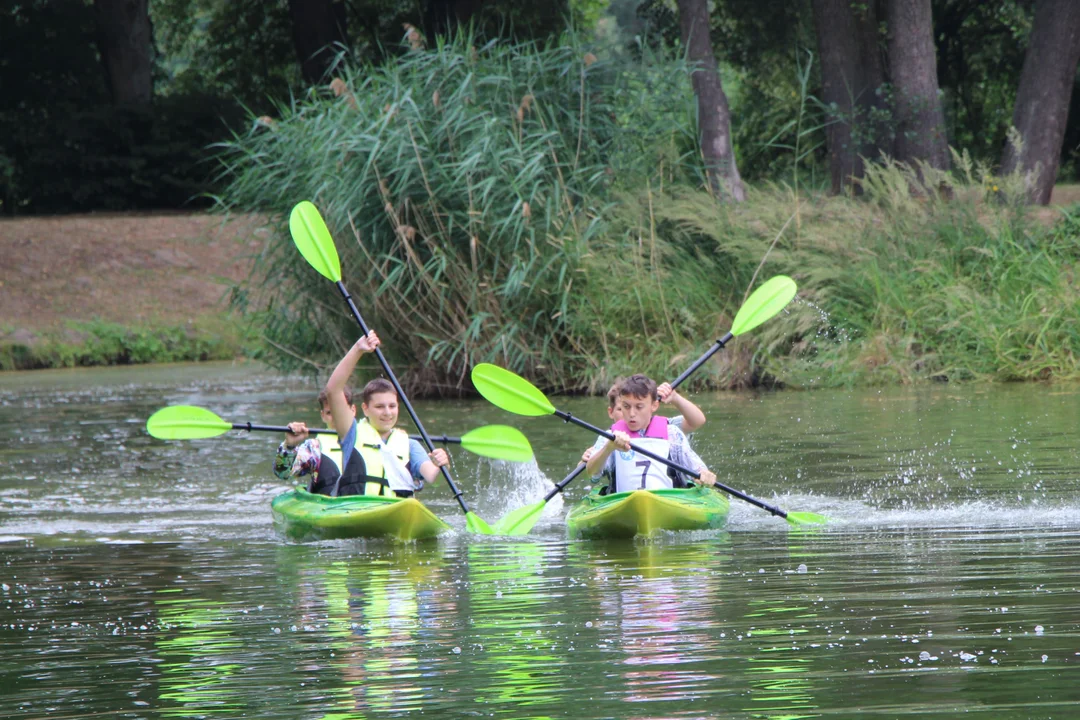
column 634, row 471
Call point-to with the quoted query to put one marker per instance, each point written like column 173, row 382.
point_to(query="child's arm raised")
column 693, row 418
column 339, row 379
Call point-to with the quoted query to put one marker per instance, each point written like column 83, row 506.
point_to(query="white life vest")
column 634, row 471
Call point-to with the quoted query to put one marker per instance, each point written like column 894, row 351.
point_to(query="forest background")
column 575, row 190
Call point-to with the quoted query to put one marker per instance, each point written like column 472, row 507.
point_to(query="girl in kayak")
column 379, row 459
column 637, row 401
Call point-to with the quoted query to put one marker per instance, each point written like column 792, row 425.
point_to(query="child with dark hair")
column 690, row 419
column 637, row 402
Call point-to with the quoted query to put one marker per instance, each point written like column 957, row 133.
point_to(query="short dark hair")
column 638, row 386
column 613, row 394
column 324, row 398
column 378, row 385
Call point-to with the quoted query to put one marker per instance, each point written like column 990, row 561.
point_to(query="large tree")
column 1042, row 101
column 125, row 42
column 920, row 120
column 319, row 34
column 852, row 76
column 714, row 116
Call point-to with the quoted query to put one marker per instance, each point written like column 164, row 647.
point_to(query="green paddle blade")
column 185, row 422
column 763, row 303
column 520, row 521
column 510, row 392
column 313, row 240
column 806, row 518
column 476, row 524
column 500, row 442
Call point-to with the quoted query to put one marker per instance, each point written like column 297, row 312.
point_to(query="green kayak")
column 300, row 515
column 644, row 512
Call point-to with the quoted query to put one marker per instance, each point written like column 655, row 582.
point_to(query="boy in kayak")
column 690, row 420
column 380, row 459
column 637, row 402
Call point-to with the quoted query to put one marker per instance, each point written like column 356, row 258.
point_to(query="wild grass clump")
column 466, row 188
column 929, row 276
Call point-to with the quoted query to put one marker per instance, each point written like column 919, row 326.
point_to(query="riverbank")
column 117, row 289
column 122, row 288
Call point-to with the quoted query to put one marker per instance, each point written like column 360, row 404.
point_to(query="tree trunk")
column 126, row 44
column 318, row 34
column 714, row 116
column 851, row 74
column 1042, row 100
column 920, row 121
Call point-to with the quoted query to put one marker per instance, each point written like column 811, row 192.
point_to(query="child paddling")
column 638, row 400
column 691, row 417
column 379, row 458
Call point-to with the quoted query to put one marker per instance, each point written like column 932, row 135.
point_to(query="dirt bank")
column 148, row 271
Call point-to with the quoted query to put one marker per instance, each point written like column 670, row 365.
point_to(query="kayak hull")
column 646, row 512
column 301, row 515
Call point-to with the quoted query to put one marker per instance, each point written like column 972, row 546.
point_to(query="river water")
column 143, row 578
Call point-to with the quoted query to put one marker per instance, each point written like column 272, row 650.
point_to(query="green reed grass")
column 464, row 187
column 542, row 208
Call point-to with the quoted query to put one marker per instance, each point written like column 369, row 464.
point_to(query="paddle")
column 515, row 394
column 312, row 239
column 765, row 302
column 186, row 422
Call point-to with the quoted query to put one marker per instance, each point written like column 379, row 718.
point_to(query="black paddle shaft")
column 401, row 396
column 701, row 360
column 444, row 439
column 567, row 417
column 565, row 481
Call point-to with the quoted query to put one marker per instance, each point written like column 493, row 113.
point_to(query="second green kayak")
column 644, row 512
column 301, row 515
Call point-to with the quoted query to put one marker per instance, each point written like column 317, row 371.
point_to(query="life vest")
column 379, row 479
column 330, row 478
column 634, row 471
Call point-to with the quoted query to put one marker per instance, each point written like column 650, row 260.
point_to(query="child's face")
column 382, row 411
column 615, row 413
column 328, row 417
column 637, row 411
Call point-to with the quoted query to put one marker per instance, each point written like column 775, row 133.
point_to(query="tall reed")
column 466, row 187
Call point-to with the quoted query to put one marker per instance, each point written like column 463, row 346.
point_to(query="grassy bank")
column 84, row 344
column 541, row 208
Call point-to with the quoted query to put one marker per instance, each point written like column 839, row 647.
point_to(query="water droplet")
column 801, row 569
column 456, row 651
column 1045, row 658
column 1038, row 629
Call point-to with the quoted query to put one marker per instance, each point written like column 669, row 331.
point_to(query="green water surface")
column 142, row 578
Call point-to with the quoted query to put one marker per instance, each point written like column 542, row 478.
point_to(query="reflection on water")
column 143, row 579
